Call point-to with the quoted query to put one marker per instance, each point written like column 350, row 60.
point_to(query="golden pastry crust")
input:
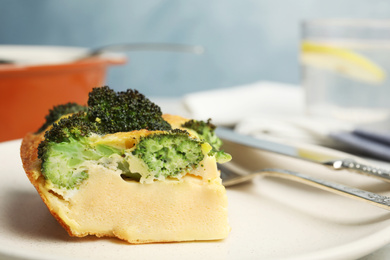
column 32, row 167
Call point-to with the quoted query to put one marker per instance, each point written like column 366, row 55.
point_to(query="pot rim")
column 69, row 63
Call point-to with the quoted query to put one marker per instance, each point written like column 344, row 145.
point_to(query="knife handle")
column 349, row 164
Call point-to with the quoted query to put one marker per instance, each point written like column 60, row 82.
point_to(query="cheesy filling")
column 162, row 211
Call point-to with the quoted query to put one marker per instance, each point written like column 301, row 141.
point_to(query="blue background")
column 245, row 40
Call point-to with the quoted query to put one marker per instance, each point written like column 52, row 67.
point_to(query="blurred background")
column 245, row 41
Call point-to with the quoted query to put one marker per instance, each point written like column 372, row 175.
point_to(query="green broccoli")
column 169, row 154
column 70, row 145
column 206, row 132
column 107, row 112
column 66, row 147
column 124, row 111
column 65, row 162
column 61, row 110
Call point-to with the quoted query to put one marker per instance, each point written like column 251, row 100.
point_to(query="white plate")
column 270, row 219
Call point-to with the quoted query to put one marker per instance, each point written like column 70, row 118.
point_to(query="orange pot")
column 27, row 92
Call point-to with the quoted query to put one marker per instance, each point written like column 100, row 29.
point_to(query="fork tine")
column 226, row 173
column 232, row 175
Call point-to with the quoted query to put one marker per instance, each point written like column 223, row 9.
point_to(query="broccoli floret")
column 169, row 154
column 66, row 130
column 206, row 132
column 65, row 146
column 107, row 112
column 72, row 127
column 70, row 144
column 61, row 110
column 124, row 111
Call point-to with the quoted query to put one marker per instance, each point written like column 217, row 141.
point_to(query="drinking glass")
column 346, row 69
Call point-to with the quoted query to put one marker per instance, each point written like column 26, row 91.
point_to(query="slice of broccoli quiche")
column 120, row 168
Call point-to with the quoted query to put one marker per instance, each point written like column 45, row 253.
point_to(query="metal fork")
column 232, row 174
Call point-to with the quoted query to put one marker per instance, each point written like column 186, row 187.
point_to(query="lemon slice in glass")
column 342, row 61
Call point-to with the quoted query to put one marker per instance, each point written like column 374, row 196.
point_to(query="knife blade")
column 332, row 161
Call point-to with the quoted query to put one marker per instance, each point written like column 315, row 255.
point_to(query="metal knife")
column 325, row 159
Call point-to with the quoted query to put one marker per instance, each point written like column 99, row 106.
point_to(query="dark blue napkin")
column 372, row 143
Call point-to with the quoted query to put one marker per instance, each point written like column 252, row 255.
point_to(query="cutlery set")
column 232, row 173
